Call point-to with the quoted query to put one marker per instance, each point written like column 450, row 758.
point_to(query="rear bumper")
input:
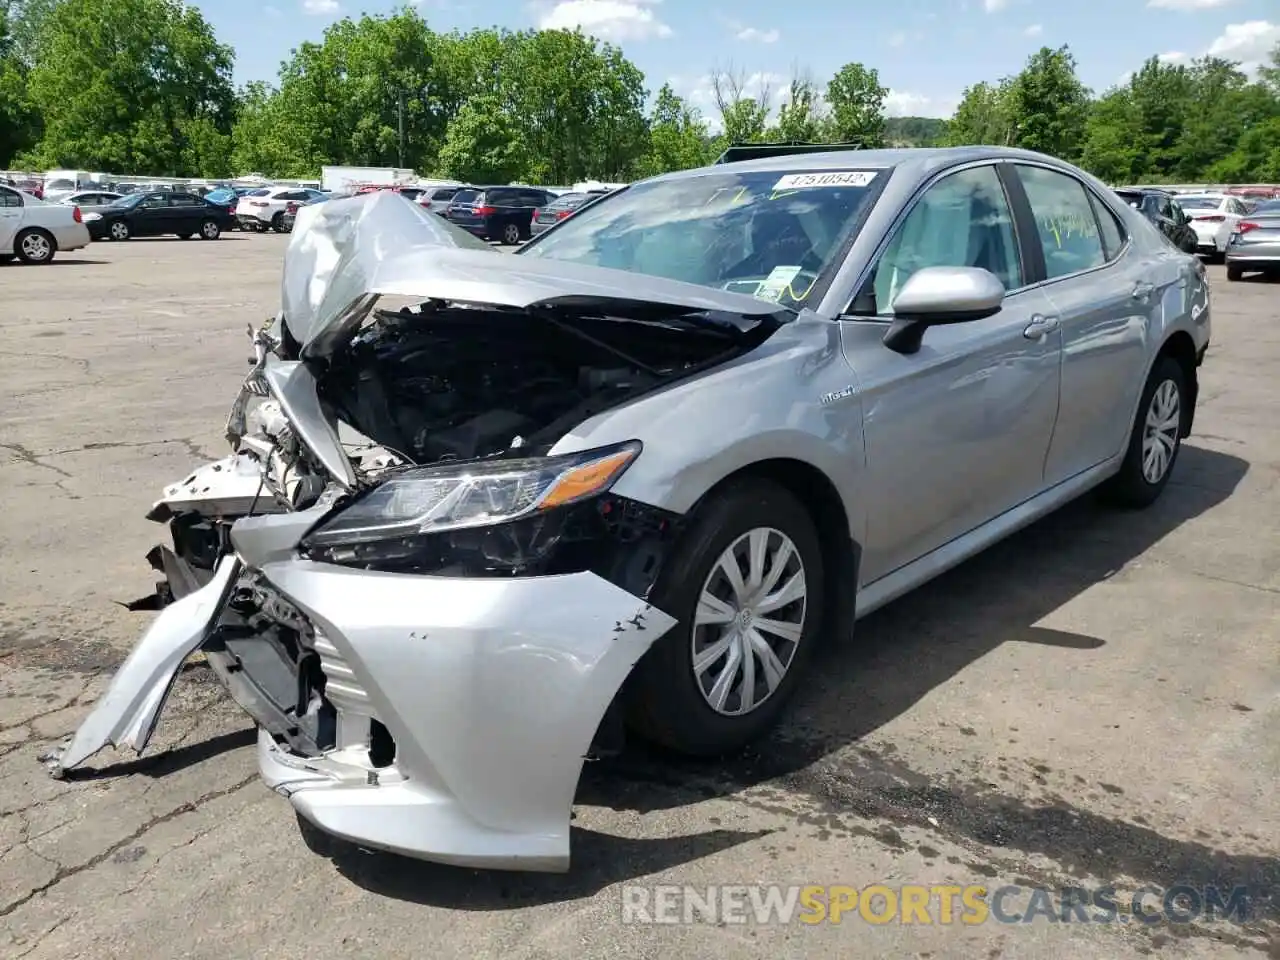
column 492, row 691
column 72, row 237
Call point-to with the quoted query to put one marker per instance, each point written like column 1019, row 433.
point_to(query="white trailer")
column 343, row 178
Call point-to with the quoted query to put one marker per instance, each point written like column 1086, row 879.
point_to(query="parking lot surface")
column 1095, row 701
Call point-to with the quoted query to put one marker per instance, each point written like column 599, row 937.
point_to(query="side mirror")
column 941, row 295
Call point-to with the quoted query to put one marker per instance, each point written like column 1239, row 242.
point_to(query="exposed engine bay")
column 440, row 382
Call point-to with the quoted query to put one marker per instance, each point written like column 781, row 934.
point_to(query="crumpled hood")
column 345, row 254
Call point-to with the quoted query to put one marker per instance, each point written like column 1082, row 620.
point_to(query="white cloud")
column 756, row 35
column 992, row 6
column 1250, row 43
column 320, row 7
column 1034, row 30
column 615, row 20
column 903, row 103
column 897, row 39
column 1188, row 4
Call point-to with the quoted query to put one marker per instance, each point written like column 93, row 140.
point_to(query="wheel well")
column 840, row 552
column 1182, row 349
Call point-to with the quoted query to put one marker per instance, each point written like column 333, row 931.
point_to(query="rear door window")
column 10, row 198
column 1065, row 221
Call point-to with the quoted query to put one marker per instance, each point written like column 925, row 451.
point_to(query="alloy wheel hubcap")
column 749, row 621
column 210, row 230
column 513, row 235
column 1160, row 433
column 35, row 246
column 119, row 231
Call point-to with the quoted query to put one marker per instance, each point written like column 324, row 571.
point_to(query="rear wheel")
column 511, row 234
column 1234, row 272
column 1156, row 438
column 34, row 246
column 745, row 583
column 119, row 230
column 209, row 230
column 277, row 223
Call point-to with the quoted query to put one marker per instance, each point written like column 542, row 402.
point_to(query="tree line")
column 145, row 87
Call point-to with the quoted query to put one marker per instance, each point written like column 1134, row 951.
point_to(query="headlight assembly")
column 447, row 498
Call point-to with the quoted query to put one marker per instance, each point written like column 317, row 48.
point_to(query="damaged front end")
column 426, row 613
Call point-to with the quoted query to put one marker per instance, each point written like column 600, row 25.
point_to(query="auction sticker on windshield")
column 835, row 178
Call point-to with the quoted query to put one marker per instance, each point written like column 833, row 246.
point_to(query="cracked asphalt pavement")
column 1093, row 701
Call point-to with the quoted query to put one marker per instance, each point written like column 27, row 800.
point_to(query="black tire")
column 1130, row 487
column 184, row 236
column 209, row 230
column 6, row 257
column 510, row 234
column 1234, row 272
column 277, row 223
column 1217, row 257
column 118, row 230
column 34, row 246
column 664, row 700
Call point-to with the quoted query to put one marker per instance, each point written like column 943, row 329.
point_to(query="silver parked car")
column 626, row 477
column 1254, row 245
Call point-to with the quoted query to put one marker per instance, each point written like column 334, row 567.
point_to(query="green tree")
column 136, row 85
column 800, row 118
column 1113, row 139
column 19, row 121
column 1048, row 105
column 855, row 99
column 677, row 136
column 1255, row 158
column 982, row 117
column 1161, row 93
column 744, row 116
column 485, row 144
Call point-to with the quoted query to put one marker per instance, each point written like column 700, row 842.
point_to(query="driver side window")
column 963, row 220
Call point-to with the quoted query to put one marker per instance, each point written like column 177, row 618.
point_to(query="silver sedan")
column 627, row 478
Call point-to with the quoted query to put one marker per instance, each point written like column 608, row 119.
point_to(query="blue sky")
column 927, row 51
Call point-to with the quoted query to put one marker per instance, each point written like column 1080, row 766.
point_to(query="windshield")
column 769, row 234
column 1199, row 203
column 465, row 196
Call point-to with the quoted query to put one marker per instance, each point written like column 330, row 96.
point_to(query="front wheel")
column 1234, row 272
column 1156, row 438
column 745, row 583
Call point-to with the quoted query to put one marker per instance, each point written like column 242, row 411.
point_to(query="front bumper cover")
column 491, row 689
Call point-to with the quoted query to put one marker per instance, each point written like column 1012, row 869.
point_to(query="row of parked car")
column 1242, row 232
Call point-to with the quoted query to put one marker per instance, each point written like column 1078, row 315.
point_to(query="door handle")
column 1142, row 292
column 1039, row 326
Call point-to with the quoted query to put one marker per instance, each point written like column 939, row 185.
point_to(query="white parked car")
column 1214, row 217
column 33, row 230
column 264, row 208
column 91, row 198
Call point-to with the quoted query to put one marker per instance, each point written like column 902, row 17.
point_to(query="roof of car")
column 923, row 160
